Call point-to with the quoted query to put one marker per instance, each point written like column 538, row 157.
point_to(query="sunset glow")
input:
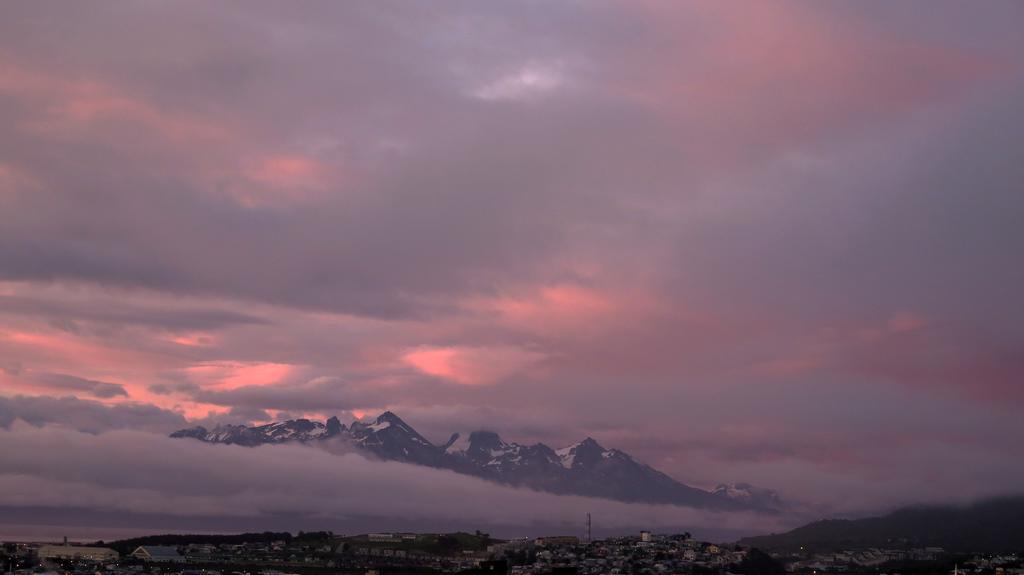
column 768, row 243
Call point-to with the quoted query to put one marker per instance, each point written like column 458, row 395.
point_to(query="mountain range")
column 584, row 468
column 992, row 526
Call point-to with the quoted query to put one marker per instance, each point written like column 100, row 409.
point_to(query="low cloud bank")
column 141, row 474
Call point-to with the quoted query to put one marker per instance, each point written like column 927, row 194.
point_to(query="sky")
column 776, row 243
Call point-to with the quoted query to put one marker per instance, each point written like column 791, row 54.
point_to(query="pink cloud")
column 288, row 170
column 198, row 339
column 91, row 103
column 904, row 321
column 472, row 365
column 74, row 104
column 549, row 307
column 906, row 349
column 782, row 73
column 67, row 349
column 87, row 107
column 281, row 179
column 234, row 374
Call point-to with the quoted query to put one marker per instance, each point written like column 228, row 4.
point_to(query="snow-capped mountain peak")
column 749, row 494
column 586, row 453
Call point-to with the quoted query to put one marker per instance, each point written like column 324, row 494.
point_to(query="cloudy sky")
column 767, row 242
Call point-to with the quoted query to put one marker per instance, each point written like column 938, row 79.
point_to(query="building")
column 645, row 536
column 488, row 567
column 66, row 551
column 158, row 554
column 558, row 540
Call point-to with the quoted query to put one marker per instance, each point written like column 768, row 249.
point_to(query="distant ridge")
column 585, row 468
column 993, row 526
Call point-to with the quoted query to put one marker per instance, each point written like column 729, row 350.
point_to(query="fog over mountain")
column 52, row 476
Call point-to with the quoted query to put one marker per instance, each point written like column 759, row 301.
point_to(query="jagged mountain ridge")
column 585, row 468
